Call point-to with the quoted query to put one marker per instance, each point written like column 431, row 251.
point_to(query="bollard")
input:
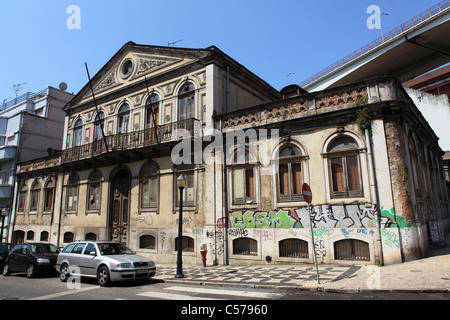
column 203, row 251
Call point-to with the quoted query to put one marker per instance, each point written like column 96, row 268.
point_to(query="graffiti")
column 322, row 232
column 391, row 238
column 197, row 231
column 143, row 219
column 215, row 242
column 166, row 246
column 342, row 215
column 242, row 219
column 238, row 232
column 264, row 234
column 186, row 221
column 389, row 220
column 321, row 251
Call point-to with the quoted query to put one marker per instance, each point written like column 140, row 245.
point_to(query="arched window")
column 147, row 242
column 30, row 235
column 90, row 236
column 99, row 123
column 152, row 111
column 77, row 133
column 123, row 119
column 94, row 190
column 22, row 198
column 344, row 166
column 68, row 237
column 35, row 192
column 186, row 102
column 351, row 249
column 149, row 186
column 44, row 236
column 72, row 193
column 290, row 177
column 49, row 189
column 243, row 177
column 187, row 244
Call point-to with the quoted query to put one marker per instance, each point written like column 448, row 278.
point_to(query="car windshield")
column 44, row 248
column 107, row 249
column 5, row 247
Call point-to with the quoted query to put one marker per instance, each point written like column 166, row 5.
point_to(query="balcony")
column 133, row 140
column 7, row 152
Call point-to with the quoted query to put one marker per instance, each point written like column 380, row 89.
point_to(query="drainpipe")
column 373, row 189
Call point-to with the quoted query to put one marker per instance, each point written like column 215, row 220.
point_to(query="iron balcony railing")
column 401, row 29
column 133, row 140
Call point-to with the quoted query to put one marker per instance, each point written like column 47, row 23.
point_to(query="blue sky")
column 271, row 38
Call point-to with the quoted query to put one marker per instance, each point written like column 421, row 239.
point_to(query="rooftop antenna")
column 287, row 77
column 17, row 87
column 172, row 44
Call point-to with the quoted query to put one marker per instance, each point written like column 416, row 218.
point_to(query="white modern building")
column 31, row 126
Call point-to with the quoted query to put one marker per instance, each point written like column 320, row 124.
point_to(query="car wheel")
column 103, row 278
column 64, row 273
column 30, row 271
column 6, row 271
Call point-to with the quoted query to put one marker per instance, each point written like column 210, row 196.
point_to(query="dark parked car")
column 31, row 258
column 5, row 248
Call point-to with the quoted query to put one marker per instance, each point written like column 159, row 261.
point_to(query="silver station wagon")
column 108, row 261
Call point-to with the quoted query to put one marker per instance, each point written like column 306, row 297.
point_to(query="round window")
column 127, row 68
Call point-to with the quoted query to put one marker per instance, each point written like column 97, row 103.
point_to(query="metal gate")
column 351, row 249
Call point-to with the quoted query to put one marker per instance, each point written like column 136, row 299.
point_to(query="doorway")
column 120, row 196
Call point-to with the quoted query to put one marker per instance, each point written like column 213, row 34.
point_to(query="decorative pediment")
column 149, row 64
column 108, row 81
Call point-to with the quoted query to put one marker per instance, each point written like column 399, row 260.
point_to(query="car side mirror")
column 93, row 253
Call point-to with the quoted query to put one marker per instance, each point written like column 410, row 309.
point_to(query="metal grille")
column 351, row 249
column 293, row 248
column 245, row 246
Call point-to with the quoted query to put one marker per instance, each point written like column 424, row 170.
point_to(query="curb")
column 302, row 288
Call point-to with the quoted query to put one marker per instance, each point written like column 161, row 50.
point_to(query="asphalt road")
column 18, row 287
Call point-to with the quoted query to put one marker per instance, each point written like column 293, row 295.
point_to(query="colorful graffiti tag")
column 342, row 215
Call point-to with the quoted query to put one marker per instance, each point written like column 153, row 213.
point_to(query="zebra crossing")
column 201, row 293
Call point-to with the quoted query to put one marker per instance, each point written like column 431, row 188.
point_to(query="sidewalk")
column 431, row 274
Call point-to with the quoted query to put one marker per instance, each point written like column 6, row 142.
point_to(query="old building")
column 372, row 161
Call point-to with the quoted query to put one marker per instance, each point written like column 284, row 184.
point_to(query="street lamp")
column 5, row 212
column 181, row 184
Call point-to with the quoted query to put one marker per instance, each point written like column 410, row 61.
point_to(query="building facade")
column 30, row 125
column 245, row 149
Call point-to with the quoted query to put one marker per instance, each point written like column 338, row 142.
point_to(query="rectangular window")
column 22, row 200
column 188, row 191
column 345, row 176
column 72, row 198
column 244, row 185
column 94, row 196
column 34, row 200
column 48, row 199
column 290, row 181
